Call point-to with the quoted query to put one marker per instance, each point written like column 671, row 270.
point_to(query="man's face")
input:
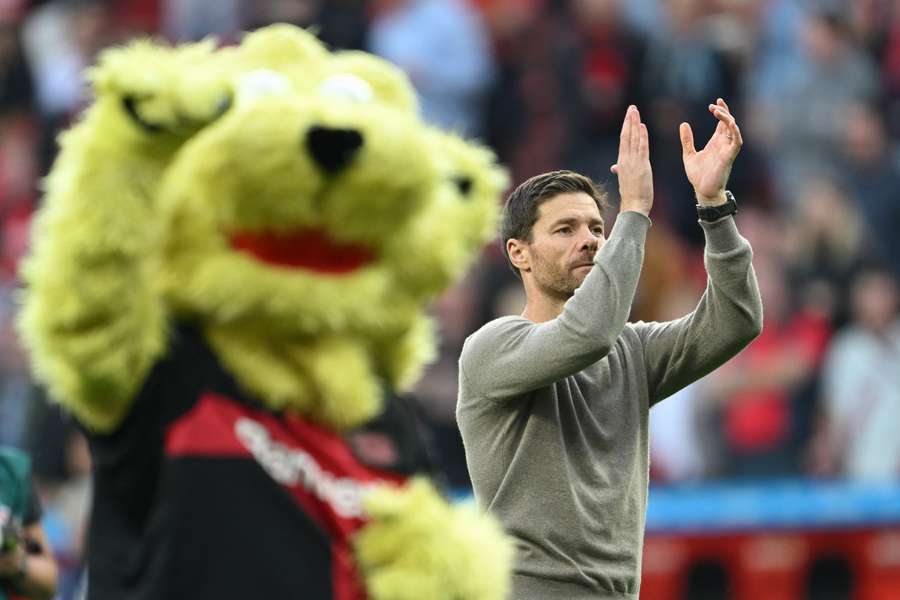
column 567, row 233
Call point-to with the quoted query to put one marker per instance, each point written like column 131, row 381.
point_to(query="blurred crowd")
column 815, row 85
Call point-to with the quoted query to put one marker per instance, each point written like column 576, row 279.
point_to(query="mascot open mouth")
column 311, row 249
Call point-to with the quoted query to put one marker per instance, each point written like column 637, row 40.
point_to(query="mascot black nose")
column 333, row 149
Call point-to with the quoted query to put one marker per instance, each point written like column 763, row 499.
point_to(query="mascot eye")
column 262, row 82
column 348, row 88
column 463, row 184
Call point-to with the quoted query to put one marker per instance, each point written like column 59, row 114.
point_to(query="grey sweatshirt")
column 554, row 415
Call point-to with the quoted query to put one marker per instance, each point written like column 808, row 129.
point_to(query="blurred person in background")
column 757, row 393
column 192, row 20
column 873, row 177
column 18, row 168
column 16, row 85
column 825, row 242
column 27, row 567
column 777, row 55
column 61, row 38
column 436, row 393
column 18, row 191
column 809, row 114
column 15, row 383
column 888, row 53
column 443, row 47
column 678, row 440
column 682, row 67
column 341, row 24
column 861, row 387
column 62, row 478
column 608, row 55
column 533, row 102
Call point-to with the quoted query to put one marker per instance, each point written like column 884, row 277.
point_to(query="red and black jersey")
column 204, row 493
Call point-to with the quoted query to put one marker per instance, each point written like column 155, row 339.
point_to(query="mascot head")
column 287, row 200
column 279, row 215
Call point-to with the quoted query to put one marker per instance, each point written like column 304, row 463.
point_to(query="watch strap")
column 714, row 213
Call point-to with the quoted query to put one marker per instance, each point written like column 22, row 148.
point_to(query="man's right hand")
column 633, row 165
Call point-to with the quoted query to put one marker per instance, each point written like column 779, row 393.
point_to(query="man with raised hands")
column 553, row 403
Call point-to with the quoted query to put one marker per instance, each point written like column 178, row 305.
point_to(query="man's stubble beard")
column 555, row 281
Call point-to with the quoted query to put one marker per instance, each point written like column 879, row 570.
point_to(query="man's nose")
column 589, row 241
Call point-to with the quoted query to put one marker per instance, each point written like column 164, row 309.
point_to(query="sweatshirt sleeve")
column 728, row 316
column 512, row 355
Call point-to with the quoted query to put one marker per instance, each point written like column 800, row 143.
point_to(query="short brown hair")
column 521, row 209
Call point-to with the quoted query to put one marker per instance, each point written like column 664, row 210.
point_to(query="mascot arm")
column 419, row 546
column 91, row 318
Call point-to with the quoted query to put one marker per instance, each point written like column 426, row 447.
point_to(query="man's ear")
column 518, row 254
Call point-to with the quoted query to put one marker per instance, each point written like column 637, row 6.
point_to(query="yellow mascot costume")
column 228, row 279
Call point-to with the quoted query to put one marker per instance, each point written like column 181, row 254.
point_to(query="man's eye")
column 563, row 230
column 598, row 231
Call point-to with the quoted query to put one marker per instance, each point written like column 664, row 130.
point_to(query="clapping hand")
column 708, row 169
column 633, row 165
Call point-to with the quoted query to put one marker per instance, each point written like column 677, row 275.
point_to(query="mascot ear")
column 281, row 47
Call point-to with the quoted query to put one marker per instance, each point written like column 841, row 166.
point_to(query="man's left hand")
column 708, row 169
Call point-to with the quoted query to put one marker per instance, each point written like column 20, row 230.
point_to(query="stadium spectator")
column 757, row 390
column 533, row 100
column 609, row 56
column 191, row 20
column 62, row 478
column 682, row 68
column 341, row 24
column 808, row 124
column 61, row 39
column 27, row 567
column 873, row 178
column 826, row 242
column 15, row 383
column 861, row 386
column 443, row 46
column 16, row 86
column 889, row 63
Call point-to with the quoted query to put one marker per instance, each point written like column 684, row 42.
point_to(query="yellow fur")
column 185, row 148
column 204, row 198
column 173, row 89
column 402, row 357
column 420, row 547
column 389, row 85
column 281, row 47
column 447, row 237
column 328, row 379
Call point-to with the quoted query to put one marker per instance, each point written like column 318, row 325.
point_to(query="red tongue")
column 309, row 249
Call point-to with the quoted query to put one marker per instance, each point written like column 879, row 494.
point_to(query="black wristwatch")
column 714, row 213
